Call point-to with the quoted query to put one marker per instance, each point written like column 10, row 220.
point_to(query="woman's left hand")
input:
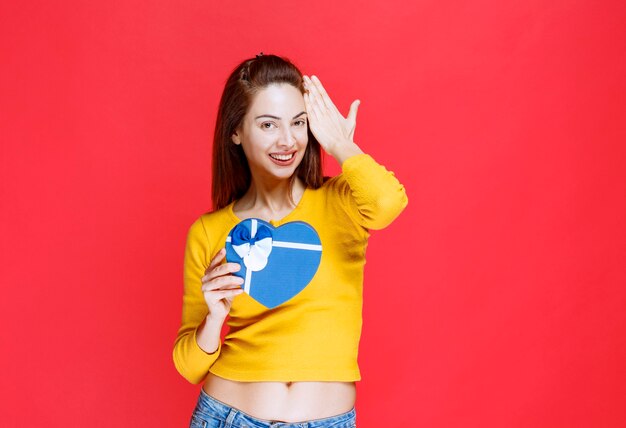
column 334, row 132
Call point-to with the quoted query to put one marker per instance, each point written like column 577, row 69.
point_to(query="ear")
column 235, row 138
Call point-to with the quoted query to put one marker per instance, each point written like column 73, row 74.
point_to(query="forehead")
column 282, row 100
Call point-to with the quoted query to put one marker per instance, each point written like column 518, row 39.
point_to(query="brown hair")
column 231, row 173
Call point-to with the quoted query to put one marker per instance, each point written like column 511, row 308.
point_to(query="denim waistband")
column 234, row 417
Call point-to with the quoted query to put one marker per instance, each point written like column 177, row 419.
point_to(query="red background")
column 495, row 300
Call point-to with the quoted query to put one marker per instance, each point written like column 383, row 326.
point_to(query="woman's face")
column 273, row 133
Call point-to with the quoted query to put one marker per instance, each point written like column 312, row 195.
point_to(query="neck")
column 272, row 197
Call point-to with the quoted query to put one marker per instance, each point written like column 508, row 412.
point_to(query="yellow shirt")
column 315, row 335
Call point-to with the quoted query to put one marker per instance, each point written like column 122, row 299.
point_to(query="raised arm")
column 372, row 195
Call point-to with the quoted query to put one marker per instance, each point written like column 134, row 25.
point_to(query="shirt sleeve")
column 191, row 361
column 372, row 195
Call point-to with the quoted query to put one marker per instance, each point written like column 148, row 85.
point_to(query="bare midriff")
column 284, row 401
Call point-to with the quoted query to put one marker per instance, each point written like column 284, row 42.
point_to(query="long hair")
column 231, row 172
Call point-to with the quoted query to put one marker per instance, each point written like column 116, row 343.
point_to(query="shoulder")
column 213, row 219
column 208, row 222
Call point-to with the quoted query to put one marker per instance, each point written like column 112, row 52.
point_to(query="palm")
column 327, row 124
column 222, row 307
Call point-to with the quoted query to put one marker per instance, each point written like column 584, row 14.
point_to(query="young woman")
column 294, row 364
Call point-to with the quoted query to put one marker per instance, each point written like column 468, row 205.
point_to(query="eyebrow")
column 278, row 118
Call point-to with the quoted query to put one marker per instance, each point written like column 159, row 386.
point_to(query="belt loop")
column 230, row 418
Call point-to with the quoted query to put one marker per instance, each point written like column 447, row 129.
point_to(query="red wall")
column 496, row 299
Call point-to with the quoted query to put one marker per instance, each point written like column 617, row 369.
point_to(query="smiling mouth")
column 282, row 157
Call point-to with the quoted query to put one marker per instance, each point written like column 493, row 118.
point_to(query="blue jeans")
column 212, row 413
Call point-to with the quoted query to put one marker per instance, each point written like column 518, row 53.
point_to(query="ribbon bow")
column 253, row 245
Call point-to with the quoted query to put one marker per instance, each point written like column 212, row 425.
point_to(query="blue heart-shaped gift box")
column 276, row 262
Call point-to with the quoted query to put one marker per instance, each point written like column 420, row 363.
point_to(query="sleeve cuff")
column 355, row 162
column 199, row 356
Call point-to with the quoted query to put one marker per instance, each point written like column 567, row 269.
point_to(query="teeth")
column 282, row 157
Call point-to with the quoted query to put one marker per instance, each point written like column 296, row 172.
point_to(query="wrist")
column 344, row 150
column 208, row 335
column 213, row 321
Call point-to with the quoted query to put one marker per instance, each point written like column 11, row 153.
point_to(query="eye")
column 263, row 125
column 301, row 122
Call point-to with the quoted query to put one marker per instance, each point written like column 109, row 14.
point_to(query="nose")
column 287, row 138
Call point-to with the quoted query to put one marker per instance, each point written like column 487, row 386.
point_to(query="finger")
column 319, row 109
column 324, row 97
column 315, row 97
column 223, row 269
column 212, row 293
column 217, row 297
column 353, row 110
column 222, row 282
column 216, row 260
column 311, row 108
column 227, row 293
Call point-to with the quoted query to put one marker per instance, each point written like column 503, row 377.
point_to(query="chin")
column 284, row 174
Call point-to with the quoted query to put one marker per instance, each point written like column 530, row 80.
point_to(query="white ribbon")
column 254, row 256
